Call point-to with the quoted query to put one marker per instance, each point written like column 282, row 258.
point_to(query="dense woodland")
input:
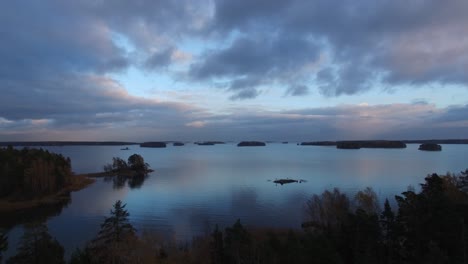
column 428, row 226
column 30, row 173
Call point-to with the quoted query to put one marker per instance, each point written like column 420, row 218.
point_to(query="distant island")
column 65, row 143
column 251, row 144
column 153, row 145
column 358, row 144
column 370, row 144
column 430, row 147
column 178, row 144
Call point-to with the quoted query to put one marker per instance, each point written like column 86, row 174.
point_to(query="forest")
column 427, row 226
column 31, row 173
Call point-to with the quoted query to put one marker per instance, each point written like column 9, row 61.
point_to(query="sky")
column 300, row 70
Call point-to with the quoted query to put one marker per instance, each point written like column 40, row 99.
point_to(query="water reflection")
column 37, row 214
column 134, row 181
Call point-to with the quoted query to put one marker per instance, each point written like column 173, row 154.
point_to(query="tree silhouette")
column 38, row 247
column 3, row 244
column 115, row 241
column 217, row 246
column 137, row 163
column 117, row 226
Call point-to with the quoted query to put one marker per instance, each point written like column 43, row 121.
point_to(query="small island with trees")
column 251, row 144
column 153, row 145
column 430, row 147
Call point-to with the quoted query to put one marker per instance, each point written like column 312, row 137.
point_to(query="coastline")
column 79, row 182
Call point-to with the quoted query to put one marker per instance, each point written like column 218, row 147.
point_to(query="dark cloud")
column 245, row 94
column 159, row 59
column 394, row 42
column 297, row 90
column 254, row 61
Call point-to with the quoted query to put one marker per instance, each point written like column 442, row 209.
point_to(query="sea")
column 194, row 187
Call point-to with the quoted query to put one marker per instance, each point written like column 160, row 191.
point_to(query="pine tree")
column 115, row 242
column 217, row 247
column 117, row 226
column 3, row 244
column 387, row 219
column 38, row 247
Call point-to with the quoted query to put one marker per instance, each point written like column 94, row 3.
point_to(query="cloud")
column 196, row 124
column 251, row 44
column 297, row 90
column 245, row 93
column 60, row 61
column 252, row 61
column 391, row 42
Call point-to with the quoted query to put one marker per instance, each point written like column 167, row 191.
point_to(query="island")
column 65, row 143
column 430, row 147
column 251, row 144
column 370, row 144
column 284, row 181
column 178, row 144
column 153, row 144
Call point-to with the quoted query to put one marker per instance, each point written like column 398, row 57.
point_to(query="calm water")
column 195, row 187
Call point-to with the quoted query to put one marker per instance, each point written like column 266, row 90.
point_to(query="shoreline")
column 79, row 182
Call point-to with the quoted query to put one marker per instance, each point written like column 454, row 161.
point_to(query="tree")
column 367, row 200
column 115, row 241
column 431, row 223
column 117, row 226
column 38, row 247
column 217, row 247
column 80, row 257
column 137, row 163
column 238, row 244
column 328, row 211
column 3, row 244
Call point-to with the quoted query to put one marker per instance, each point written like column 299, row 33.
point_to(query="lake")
column 195, row 187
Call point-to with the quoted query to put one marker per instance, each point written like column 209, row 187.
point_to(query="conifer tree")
column 3, row 244
column 117, row 226
column 115, row 242
column 38, row 247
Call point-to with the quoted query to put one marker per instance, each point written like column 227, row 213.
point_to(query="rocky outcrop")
column 430, row 147
column 251, row 144
column 153, row 145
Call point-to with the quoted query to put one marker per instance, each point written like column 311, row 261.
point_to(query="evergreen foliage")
column 113, row 243
column 38, row 247
column 29, row 173
column 3, row 244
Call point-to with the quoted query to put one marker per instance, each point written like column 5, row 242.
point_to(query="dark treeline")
column 65, row 143
column 30, row 173
column 428, row 226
